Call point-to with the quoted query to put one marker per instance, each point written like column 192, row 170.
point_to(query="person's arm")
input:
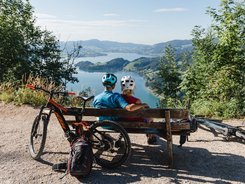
column 138, row 102
column 134, row 107
column 129, row 107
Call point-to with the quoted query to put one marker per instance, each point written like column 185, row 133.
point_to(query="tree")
column 217, row 75
column 196, row 77
column 26, row 49
column 230, row 53
column 168, row 77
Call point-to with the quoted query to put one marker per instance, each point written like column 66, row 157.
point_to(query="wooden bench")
column 166, row 122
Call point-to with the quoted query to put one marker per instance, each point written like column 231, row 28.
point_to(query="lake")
column 93, row 79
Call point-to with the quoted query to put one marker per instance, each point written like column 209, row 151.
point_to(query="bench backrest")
column 145, row 113
column 159, row 116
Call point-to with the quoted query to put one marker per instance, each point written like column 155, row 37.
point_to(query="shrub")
column 215, row 108
column 6, row 92
column 27, row 96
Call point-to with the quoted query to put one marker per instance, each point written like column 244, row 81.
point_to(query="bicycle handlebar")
column 85, row 98
column 30, row 86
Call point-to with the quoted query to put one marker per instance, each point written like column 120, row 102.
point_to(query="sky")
column 134, row 21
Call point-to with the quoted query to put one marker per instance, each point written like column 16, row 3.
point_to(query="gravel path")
column 204, row 159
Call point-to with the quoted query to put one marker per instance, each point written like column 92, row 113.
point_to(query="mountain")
column 96, row 47
column 142, row 64
column 113, row 65
column 179, row 45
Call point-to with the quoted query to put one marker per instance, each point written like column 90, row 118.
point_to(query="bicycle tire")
column 114, row 148
column 38, row 131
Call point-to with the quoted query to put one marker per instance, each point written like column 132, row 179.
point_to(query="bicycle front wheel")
column 38, row 136
column 111, row 144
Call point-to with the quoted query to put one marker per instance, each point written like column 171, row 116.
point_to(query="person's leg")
column 151, row 138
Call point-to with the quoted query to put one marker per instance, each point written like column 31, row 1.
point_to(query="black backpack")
column 80, row 159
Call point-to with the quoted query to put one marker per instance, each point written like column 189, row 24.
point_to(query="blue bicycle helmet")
column 109, row 79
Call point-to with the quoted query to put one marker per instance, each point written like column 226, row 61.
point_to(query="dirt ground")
column 204, row 159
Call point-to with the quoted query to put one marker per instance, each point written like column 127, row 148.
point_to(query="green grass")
column 219, row 109
column 27, row 96
column 19, row 94
column 6, row 96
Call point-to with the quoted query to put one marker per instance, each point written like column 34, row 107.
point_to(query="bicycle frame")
column 59, row 110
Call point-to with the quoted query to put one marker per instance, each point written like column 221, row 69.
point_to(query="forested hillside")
column 113, row 65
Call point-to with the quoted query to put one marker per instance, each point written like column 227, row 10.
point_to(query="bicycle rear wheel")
column 38, row 136
column 111, row 144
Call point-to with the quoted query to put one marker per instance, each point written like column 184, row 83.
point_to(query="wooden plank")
column 156, row 125
column 169, row 140
column 143, row 131
column 175, row 127
column 180, row 126
column 161, row 126
column 146, row 113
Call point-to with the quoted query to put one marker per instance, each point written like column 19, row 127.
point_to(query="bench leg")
column 169, row 139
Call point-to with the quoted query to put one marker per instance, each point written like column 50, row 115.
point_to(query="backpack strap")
column 60, row 167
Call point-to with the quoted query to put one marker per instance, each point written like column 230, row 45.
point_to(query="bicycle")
column 110, row 141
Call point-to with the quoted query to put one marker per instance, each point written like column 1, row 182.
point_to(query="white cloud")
column 170, row 10
column 111, row 15
column 93, row 23
column 72, row 29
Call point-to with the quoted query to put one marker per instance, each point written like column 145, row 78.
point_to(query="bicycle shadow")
column 221, row 138
column 45, row 161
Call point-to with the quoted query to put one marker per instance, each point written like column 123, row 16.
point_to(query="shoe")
column 121, row 150
column 151, row 140
column 118, row 143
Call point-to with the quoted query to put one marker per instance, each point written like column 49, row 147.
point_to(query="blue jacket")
column 108, row 99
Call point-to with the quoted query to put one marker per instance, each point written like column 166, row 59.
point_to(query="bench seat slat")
column 175, row 127
column 156, row 125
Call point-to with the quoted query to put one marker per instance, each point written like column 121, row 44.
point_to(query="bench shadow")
column 191, row 164
column 151, row 162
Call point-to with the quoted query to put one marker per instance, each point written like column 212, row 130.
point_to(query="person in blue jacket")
column 109, row 99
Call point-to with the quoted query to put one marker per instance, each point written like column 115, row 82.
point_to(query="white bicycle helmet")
column 109, row 79
column 127, row 82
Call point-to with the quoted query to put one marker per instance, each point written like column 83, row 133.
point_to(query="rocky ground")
column 204, row 159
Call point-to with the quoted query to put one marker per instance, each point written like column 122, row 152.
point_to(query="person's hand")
column 146, row 106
